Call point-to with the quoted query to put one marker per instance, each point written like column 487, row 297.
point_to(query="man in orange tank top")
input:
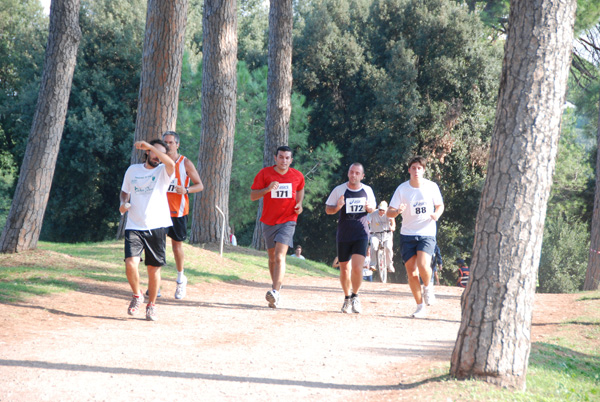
column 178, row 196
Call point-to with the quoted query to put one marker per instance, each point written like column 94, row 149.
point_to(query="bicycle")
column 381, row 256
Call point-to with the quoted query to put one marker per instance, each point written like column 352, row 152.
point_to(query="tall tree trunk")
column 162, row 58
column 219, row 92
column 279, row 92
column 494, row 337
column 592, row 277
column 24, row 221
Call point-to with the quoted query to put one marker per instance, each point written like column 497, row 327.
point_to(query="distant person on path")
column 354, row 201
column 367, row 270
column 282, row 190
column 232, row 238
column 298, row 253
column 178, row 196
column 382, row 228
column 420, row 202
column 436, row 265
column 144, row 196
column 463, row 272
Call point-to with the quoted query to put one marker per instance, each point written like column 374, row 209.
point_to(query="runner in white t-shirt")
column 144, row 196
column 420, row 202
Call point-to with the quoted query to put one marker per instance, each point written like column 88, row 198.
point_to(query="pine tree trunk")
column 219, row 92
column 592, row 277
column 162, row 59
column 494, row 337
column 279, row 92
column 24, row 221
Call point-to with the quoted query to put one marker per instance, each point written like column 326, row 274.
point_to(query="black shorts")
column 178, row 231
column 345, row 249
column 152, row 242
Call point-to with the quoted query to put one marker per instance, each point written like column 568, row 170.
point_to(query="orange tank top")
column 179, row 203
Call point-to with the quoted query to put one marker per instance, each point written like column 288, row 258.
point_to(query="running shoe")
column 151, row 312
column 428, row 296
column 136, row 303
column 356, row 306
column 420, row 312
column 347, row 307
column 158, row 295
column 272, row 297
column 180, row 290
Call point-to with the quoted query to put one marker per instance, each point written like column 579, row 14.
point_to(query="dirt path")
column 223, row 343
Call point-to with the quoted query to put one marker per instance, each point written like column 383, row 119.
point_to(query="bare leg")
column 153, row 282
column 277, row 264
column 345, row 277
column 133, row 275
column 357, row 266
column 178, row 254
column 424, row 266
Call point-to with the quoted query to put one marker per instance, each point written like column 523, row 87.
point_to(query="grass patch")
column 563, row 368
column 60, row 267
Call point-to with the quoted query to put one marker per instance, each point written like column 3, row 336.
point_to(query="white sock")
column 180, row 276
column 429, row 287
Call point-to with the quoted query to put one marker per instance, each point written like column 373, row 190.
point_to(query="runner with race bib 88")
column 420, row 202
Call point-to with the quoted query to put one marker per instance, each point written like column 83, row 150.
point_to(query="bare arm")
column 439, row 210
column 124, row 198
column 299, row 198
column 257, row 194
column 191, row 171
column 392, row 224
column 393, row 212
column 332, row 210
column 163, row 157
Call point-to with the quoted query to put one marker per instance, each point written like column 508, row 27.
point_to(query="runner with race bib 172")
column 354, row 201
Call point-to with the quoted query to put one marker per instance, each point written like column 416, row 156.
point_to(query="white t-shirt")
column 420, row 205
column 148, row 197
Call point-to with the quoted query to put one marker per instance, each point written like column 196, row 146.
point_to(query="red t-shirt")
column 278, row 205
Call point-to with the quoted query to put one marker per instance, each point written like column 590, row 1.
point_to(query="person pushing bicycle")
column 382, row 228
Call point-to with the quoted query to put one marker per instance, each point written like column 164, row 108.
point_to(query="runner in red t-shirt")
column 282, row 190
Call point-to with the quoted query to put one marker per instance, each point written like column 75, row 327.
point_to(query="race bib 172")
column 356, row 205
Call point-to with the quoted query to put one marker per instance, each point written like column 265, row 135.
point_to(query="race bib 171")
column 283, row 191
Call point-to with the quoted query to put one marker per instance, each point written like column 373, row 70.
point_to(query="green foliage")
column 98, row 135
column 23, row 36
column 253, row 36
column 572, row 192
column 317, row 163
column 564, row 256
column 383, row 88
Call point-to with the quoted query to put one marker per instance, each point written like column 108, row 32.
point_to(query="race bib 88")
column 420, row 208
column 283, row 191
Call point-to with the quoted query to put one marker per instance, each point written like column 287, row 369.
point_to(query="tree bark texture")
column 24, row 221
column 219, row 92
column 162, row 58
column 279, row 92
column 494, row 337
column 592, row 276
